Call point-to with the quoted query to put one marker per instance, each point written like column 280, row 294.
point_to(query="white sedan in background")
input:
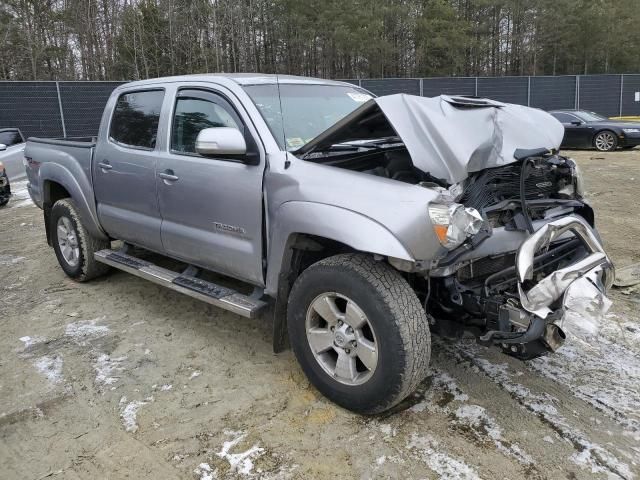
column 11, row 153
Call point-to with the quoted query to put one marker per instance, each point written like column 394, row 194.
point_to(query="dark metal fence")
column 54, row 109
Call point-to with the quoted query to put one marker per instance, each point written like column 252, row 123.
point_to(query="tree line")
column 133, row 39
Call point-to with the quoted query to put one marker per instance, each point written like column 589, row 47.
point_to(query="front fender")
column 80, row 190
column 328, row 221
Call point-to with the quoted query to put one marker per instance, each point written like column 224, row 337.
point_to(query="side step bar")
column 194, row 287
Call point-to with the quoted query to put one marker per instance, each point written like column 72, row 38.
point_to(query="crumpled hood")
column 449, row 137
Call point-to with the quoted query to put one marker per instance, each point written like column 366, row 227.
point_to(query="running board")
column 194, row 287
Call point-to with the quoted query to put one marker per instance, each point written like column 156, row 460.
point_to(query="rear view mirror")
column 3, row 147
column 221, row 141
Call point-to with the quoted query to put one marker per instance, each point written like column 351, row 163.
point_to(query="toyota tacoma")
column 364, row 223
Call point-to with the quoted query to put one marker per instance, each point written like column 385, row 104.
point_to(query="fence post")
column 621, row 89
column 529, row 91
column 576, row 102
column 421, row 88
column 476, row 87
column 64, row 128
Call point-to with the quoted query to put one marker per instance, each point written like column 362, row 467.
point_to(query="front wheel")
column 359, row 332
column 73, row 244
column 605, row 141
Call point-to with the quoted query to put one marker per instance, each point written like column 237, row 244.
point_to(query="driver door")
column 211, row 208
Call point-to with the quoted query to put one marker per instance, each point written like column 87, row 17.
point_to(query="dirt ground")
column 120, row 378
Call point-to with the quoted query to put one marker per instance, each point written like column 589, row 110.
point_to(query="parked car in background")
column 365, row 221
column 585, row 129
column 12, row 152
column 5, row 188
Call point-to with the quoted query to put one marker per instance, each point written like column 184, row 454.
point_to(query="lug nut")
column 353, row 343
column 349, row 330
column 347, row 350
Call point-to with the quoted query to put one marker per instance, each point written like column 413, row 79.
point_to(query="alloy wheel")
column 341, row 338
column 68, row 241
column 605, row 141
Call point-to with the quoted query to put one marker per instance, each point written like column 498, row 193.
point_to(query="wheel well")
column 593, row 139
column 302, row 251
column 52, row 192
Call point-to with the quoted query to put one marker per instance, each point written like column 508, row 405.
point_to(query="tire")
column 605, row 141
column 82, row 266
column 395, row 320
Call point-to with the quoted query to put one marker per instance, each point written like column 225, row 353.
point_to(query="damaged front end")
column 572, row 296
column 532, row 268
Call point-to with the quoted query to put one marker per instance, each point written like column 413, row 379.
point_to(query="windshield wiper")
column 377, row 144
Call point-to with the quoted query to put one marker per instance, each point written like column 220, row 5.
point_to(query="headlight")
column 453, row 223
column 631, row 130
column 578, row 179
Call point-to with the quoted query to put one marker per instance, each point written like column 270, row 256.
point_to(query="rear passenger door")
column 211, row 207
column 124, row 169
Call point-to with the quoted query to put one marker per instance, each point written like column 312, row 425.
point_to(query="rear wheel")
column 359, row 332
column 605, row 141
column 74, row 246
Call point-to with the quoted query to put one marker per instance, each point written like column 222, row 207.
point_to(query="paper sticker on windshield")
column 295, row 142
column 359, row 97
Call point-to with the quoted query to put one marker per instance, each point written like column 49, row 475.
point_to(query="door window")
column 194, row 114
column 135, row 119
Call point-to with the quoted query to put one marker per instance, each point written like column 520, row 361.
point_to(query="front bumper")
column 573, row 296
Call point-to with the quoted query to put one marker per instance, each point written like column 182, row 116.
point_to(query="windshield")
column 307, row 110
column 589, row 116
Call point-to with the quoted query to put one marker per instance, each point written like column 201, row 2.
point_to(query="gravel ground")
column 119, row 378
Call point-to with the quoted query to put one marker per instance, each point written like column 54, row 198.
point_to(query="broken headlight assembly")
column 453, row 223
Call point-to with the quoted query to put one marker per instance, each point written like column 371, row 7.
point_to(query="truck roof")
column 239, row 79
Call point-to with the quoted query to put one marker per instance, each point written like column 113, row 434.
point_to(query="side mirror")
column 577, row 123
column 220, row 141
column 3, row 147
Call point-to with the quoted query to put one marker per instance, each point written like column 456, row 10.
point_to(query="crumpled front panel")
column 449, row 142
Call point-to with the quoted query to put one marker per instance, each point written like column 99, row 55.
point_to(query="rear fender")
column 80, row 190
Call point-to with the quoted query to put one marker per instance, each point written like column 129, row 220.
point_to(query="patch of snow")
column 445, row 466
column 129, row 412
column 548, row 439
column 50, row 367
column 195, row 374
column 242, row 462
column 86, row 330
column 590, row 455
column 107, row 369
column 20, row 194
column 440, row 381
column 587, row 369
column 381, row 460
column 166, row 388
column 476, row 418
column 205, row 472
column 387, row 430
column 31, row 341
column 8, row 260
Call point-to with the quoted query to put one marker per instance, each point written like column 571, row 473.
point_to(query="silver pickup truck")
column 365, row 223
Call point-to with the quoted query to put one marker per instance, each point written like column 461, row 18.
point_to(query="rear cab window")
column 135, row 119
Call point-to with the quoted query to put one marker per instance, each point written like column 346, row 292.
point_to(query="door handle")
column 105, row 165
column 168, row 176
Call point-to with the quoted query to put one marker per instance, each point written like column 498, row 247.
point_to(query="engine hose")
column 523, row 196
